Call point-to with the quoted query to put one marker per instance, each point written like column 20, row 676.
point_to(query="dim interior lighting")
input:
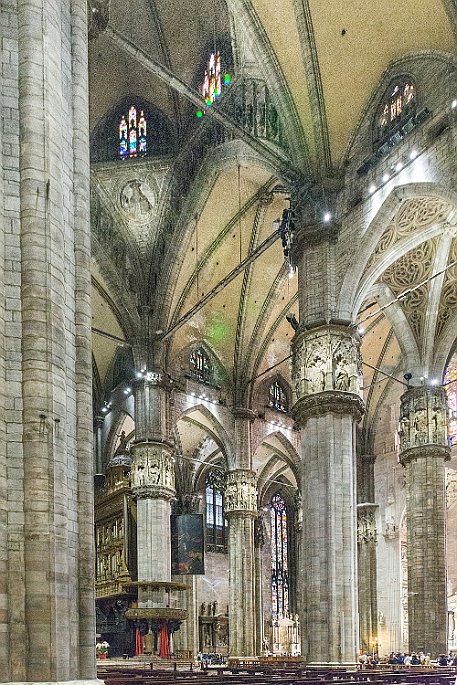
column 398, row 166
column 413, row 154
column 327, row 217
column 385, row 178
column 372, row 189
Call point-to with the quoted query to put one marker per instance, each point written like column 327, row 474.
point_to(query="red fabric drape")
column 138, row 643
column 164, row 640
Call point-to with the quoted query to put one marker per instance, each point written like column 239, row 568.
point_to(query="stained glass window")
column 396, row 106
column 450, row 382
column 216, row 524
column 133, row 135
column 279, row 559
column 200, row 366
column 278, row 397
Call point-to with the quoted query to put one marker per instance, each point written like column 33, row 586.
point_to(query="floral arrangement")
column 102, row 648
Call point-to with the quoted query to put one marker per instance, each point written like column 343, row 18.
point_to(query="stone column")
column 366, row 541
column 240, row 503
column 423, row 452
column 327, row 383
column 259, row 541
column 153, row 483
column 51, row 626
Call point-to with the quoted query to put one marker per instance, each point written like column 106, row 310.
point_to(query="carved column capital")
column 423, row 423
column 240, row 496
column 366, row 522
column 152, row 472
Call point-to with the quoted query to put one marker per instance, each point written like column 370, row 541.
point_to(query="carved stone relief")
column 366, row 526
column 137, row 200
column 240, row 492
column 408, row 271
column 152, row 474
column 414, row 214
column 423, row 417
column 448, row 302
column 327, row 359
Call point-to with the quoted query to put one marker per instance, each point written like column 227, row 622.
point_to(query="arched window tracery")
column 216, row 523
column 277, row 397
column 398, row 104
column 279, row 559
column 133, row 135
column 200, row 366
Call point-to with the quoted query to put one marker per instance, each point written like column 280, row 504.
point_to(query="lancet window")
column 277, row 397
column 133, row 140
column 450, row 383
column 200, row 366
column 216, row 524
column 279, row 559
column 398, row 103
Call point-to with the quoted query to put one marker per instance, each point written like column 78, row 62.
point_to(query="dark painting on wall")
column 187, row 545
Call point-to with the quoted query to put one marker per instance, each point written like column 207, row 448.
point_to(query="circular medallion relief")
column 137, row 200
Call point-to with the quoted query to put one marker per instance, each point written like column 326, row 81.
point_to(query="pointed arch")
column 353, row 289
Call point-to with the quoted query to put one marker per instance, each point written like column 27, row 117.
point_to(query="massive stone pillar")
column 48, row 626
column 424, row 449
column 240, row 503
column 153, row 487
column 366, row 543
column 327, row 381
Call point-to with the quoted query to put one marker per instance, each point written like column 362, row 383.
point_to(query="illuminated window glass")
column 277, row 397
column 213, row 79
column 450, row 382
column 398, row 104
column 279, row 559
column 216, row 524
column 133, row 135
column 200, row 366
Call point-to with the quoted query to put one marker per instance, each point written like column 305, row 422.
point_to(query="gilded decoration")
column 448, row 302
column 407, row 272
column 423, row 418
column 415, row 214
column 327, row 360
column 152, row 474
column 240, row 493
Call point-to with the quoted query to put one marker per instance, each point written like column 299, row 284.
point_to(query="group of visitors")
column 407, row 659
